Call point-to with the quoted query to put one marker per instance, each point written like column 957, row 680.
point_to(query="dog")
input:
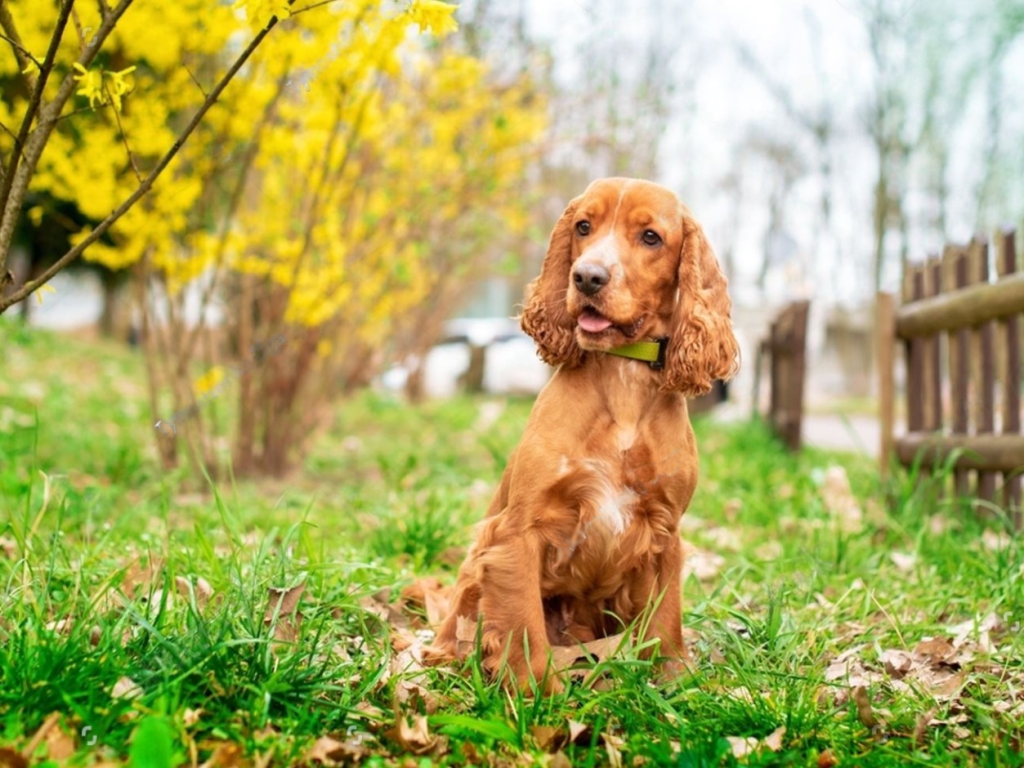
column 581, row 538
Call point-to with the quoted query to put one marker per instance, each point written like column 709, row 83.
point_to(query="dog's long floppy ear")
column 702, row 347
column 545, row 317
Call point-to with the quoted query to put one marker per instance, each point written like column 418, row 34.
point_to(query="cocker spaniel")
column 582, row 534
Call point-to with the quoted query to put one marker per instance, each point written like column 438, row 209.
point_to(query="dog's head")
column 627, row 261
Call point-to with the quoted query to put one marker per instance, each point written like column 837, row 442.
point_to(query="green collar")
column 651, row 352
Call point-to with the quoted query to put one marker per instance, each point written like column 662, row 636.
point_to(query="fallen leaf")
column 559, row 760
column 565, row 656
column 548, row 737
column 827, row 760
column 225, row 755
column 903, row 561
column 741, row 747
column 191, row 717
column 282, row 612
column 200, row 588
column 59, row 745
column 60, row 626
column 864, row 711
column 897, row 663
column 432, row 596
column 412, row 734
column 938, row 650
column 330, row 751
column 11, row 759
column 773, row 740
column 576, row 729
column 125, row 688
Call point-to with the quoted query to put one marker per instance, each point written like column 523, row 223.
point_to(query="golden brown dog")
column 582, row 535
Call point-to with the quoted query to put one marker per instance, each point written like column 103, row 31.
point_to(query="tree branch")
column 147, row 183
column 33, row 108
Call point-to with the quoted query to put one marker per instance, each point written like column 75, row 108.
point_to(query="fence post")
column 885, row 331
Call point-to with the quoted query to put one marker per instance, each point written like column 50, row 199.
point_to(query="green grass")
column 105, row 565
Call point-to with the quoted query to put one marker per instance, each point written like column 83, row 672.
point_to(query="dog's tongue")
column 591, row 322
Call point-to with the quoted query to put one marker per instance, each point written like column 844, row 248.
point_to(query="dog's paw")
column 439, row 653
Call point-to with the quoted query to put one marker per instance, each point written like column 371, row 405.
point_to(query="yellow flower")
column 260, row 12
column 45, row 288
column 433, row 16
column 118, row 86
column 209, row 381
column 92, row 84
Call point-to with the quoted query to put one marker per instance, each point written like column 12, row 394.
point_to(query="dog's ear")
column 702, row 347
column 545, row 316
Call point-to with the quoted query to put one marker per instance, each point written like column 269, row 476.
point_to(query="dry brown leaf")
column 565, row 656
column 8, row 548
column 282, row 612
column 432, row 597
column 864, row 711
column 11, row 759
column 576, row 729
column 413, row 734
column 773, row 740
column 937, row 650
column 330, row 751
column 125, row 688
column 897, row 663
column 548, row 737
column 59, row 745
column 200, row 588
column 192, row 716
column 741, row 747
column 827, row 760
column 559, row 760
column 138, row 577
column 225, row 755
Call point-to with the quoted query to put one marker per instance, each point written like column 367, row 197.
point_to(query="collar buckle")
column 657, row 365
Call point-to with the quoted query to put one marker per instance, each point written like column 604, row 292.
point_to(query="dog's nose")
column 590, row 278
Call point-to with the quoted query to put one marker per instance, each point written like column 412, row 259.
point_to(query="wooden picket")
column 786, row 349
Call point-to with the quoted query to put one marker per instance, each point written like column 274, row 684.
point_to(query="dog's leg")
column 515, row 642
column 666, row 624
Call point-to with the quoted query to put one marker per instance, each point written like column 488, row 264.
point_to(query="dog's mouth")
column 592, row 321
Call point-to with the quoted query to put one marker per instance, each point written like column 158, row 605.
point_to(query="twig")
column 147, row 183
column 19, row 48
column 311, row 7
column 124, row 137
column 195, row 80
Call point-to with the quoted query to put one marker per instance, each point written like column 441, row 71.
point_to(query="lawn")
column 150, row 618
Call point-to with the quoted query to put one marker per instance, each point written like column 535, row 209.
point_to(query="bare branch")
column 148, row 182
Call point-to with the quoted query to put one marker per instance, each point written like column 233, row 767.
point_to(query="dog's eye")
column 650, row 237
column 583, row 228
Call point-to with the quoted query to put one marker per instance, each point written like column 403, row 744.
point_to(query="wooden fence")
column 960, row 329
column 786, row 348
